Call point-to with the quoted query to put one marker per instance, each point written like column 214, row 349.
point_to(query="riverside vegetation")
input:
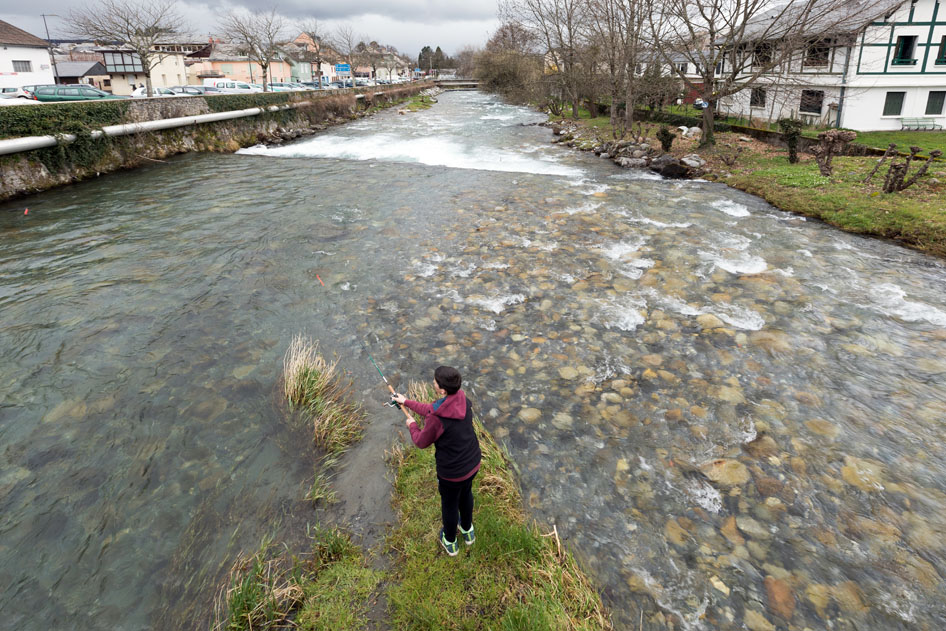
column 513, row 578
column 914, row 217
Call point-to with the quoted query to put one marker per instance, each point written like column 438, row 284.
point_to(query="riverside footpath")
column 731, row 415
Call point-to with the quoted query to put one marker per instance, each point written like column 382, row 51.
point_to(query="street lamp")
column 52, row 57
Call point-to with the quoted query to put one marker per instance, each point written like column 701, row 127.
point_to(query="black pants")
column 456, row 497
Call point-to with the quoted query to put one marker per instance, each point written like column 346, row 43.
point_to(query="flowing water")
column 733, row 415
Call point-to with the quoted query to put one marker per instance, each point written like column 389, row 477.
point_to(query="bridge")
column 454, row 83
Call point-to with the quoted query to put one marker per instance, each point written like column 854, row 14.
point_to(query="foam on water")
column 734, row 315
column 587, row 207
column 659, row 224
column 731, row 208
column 891, row 300
column 617, row 251
column 430, row 150
column 624, row 313
column 704, row 495
column 497, row 304
column 742, row 264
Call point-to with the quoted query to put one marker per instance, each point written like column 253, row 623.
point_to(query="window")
column 762, row 55
column 226, row 68
column 893, row 104
column 904, row 53
column 48, row 91
column 757, row 98
column 934, row 103
column 683, row 67
column 941, row 55
column 90, row 92
column 122, row 63
column 818, row 55
column 811, row 101
column 22, row 66
column 69, row 92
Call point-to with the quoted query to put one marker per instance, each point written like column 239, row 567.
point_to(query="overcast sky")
column 406, row 24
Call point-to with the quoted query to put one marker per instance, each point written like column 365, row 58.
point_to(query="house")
column 127, row 72
column 875, row 70
column 89, row 72
column 24, row 58
column 219, row 59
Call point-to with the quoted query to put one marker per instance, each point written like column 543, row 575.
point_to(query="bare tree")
column 138, row 24
column 316, row 32
column 258, row 35
column 511, row 64
column 346, row 43
column 373, row 55
column 732, row 43
column 559, row 25
column 466, row 61
column 616, row 28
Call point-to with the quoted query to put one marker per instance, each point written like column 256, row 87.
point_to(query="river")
column 725, row 409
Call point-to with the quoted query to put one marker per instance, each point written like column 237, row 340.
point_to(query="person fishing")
column 448, row 425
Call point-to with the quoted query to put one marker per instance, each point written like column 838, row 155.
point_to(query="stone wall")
column 34, row 171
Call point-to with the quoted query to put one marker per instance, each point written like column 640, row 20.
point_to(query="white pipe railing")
column 29, row 143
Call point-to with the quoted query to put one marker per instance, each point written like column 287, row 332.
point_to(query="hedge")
column 60, row 118
column 679, row 119
column 231, row 102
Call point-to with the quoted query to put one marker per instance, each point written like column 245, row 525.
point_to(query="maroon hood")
column 454, row 406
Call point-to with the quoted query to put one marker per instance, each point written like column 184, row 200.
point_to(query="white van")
column 231, row 86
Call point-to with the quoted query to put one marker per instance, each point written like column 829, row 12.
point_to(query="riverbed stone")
column 530, row 415
column 567, row 372
column 755, row 621
column 779, row 597
column 709, row 321
column 867, row 475
column 753, row 528
column 725, row 473
column 563, row 421
column 823, row 428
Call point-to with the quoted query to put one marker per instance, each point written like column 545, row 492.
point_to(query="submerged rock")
column 725, row 472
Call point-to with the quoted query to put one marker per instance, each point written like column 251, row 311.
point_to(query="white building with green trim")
column 888, row 73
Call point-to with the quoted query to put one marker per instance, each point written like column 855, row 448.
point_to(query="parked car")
column 192, row 90
column 31, row 89
column 142, row 93
column 56, row 93
column 311, row 85
column 232, row 86
column 15, row 93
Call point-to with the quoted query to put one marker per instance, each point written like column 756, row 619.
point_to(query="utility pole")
column 52, row 57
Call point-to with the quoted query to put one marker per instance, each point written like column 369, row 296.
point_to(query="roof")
column 824, row 17
column 79, row 68
column 13, row 36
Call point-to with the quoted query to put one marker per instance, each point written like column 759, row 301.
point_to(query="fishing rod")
column 390, row 387
column 375, row 364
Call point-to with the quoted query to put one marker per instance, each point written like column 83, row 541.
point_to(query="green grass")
column 419, row 102
column 916, row 216
column 330, row 587
column 512, row 578
column 926, row 140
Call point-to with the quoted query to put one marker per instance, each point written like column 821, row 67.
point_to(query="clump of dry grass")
column 321, row 396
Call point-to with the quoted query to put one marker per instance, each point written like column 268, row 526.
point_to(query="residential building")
column 89, row 72
column 875, row 71
column 227, row 60
column 127, row 71
column 24, row 58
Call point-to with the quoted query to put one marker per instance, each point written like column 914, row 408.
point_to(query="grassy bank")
column 514, row 577
column 916, row 216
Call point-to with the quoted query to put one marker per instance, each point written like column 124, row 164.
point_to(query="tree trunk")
column 629, row 104
column 615, row 93
column 265, row 70
column 708, row 139
column 149, row 92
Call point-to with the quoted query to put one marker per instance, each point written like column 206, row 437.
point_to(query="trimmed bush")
column 60, row 118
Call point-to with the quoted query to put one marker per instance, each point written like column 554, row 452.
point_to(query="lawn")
column 926, row 140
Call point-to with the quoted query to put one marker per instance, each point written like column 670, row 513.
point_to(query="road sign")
column 342, row 68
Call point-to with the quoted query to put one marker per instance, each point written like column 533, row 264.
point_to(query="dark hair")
column 448, row 378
